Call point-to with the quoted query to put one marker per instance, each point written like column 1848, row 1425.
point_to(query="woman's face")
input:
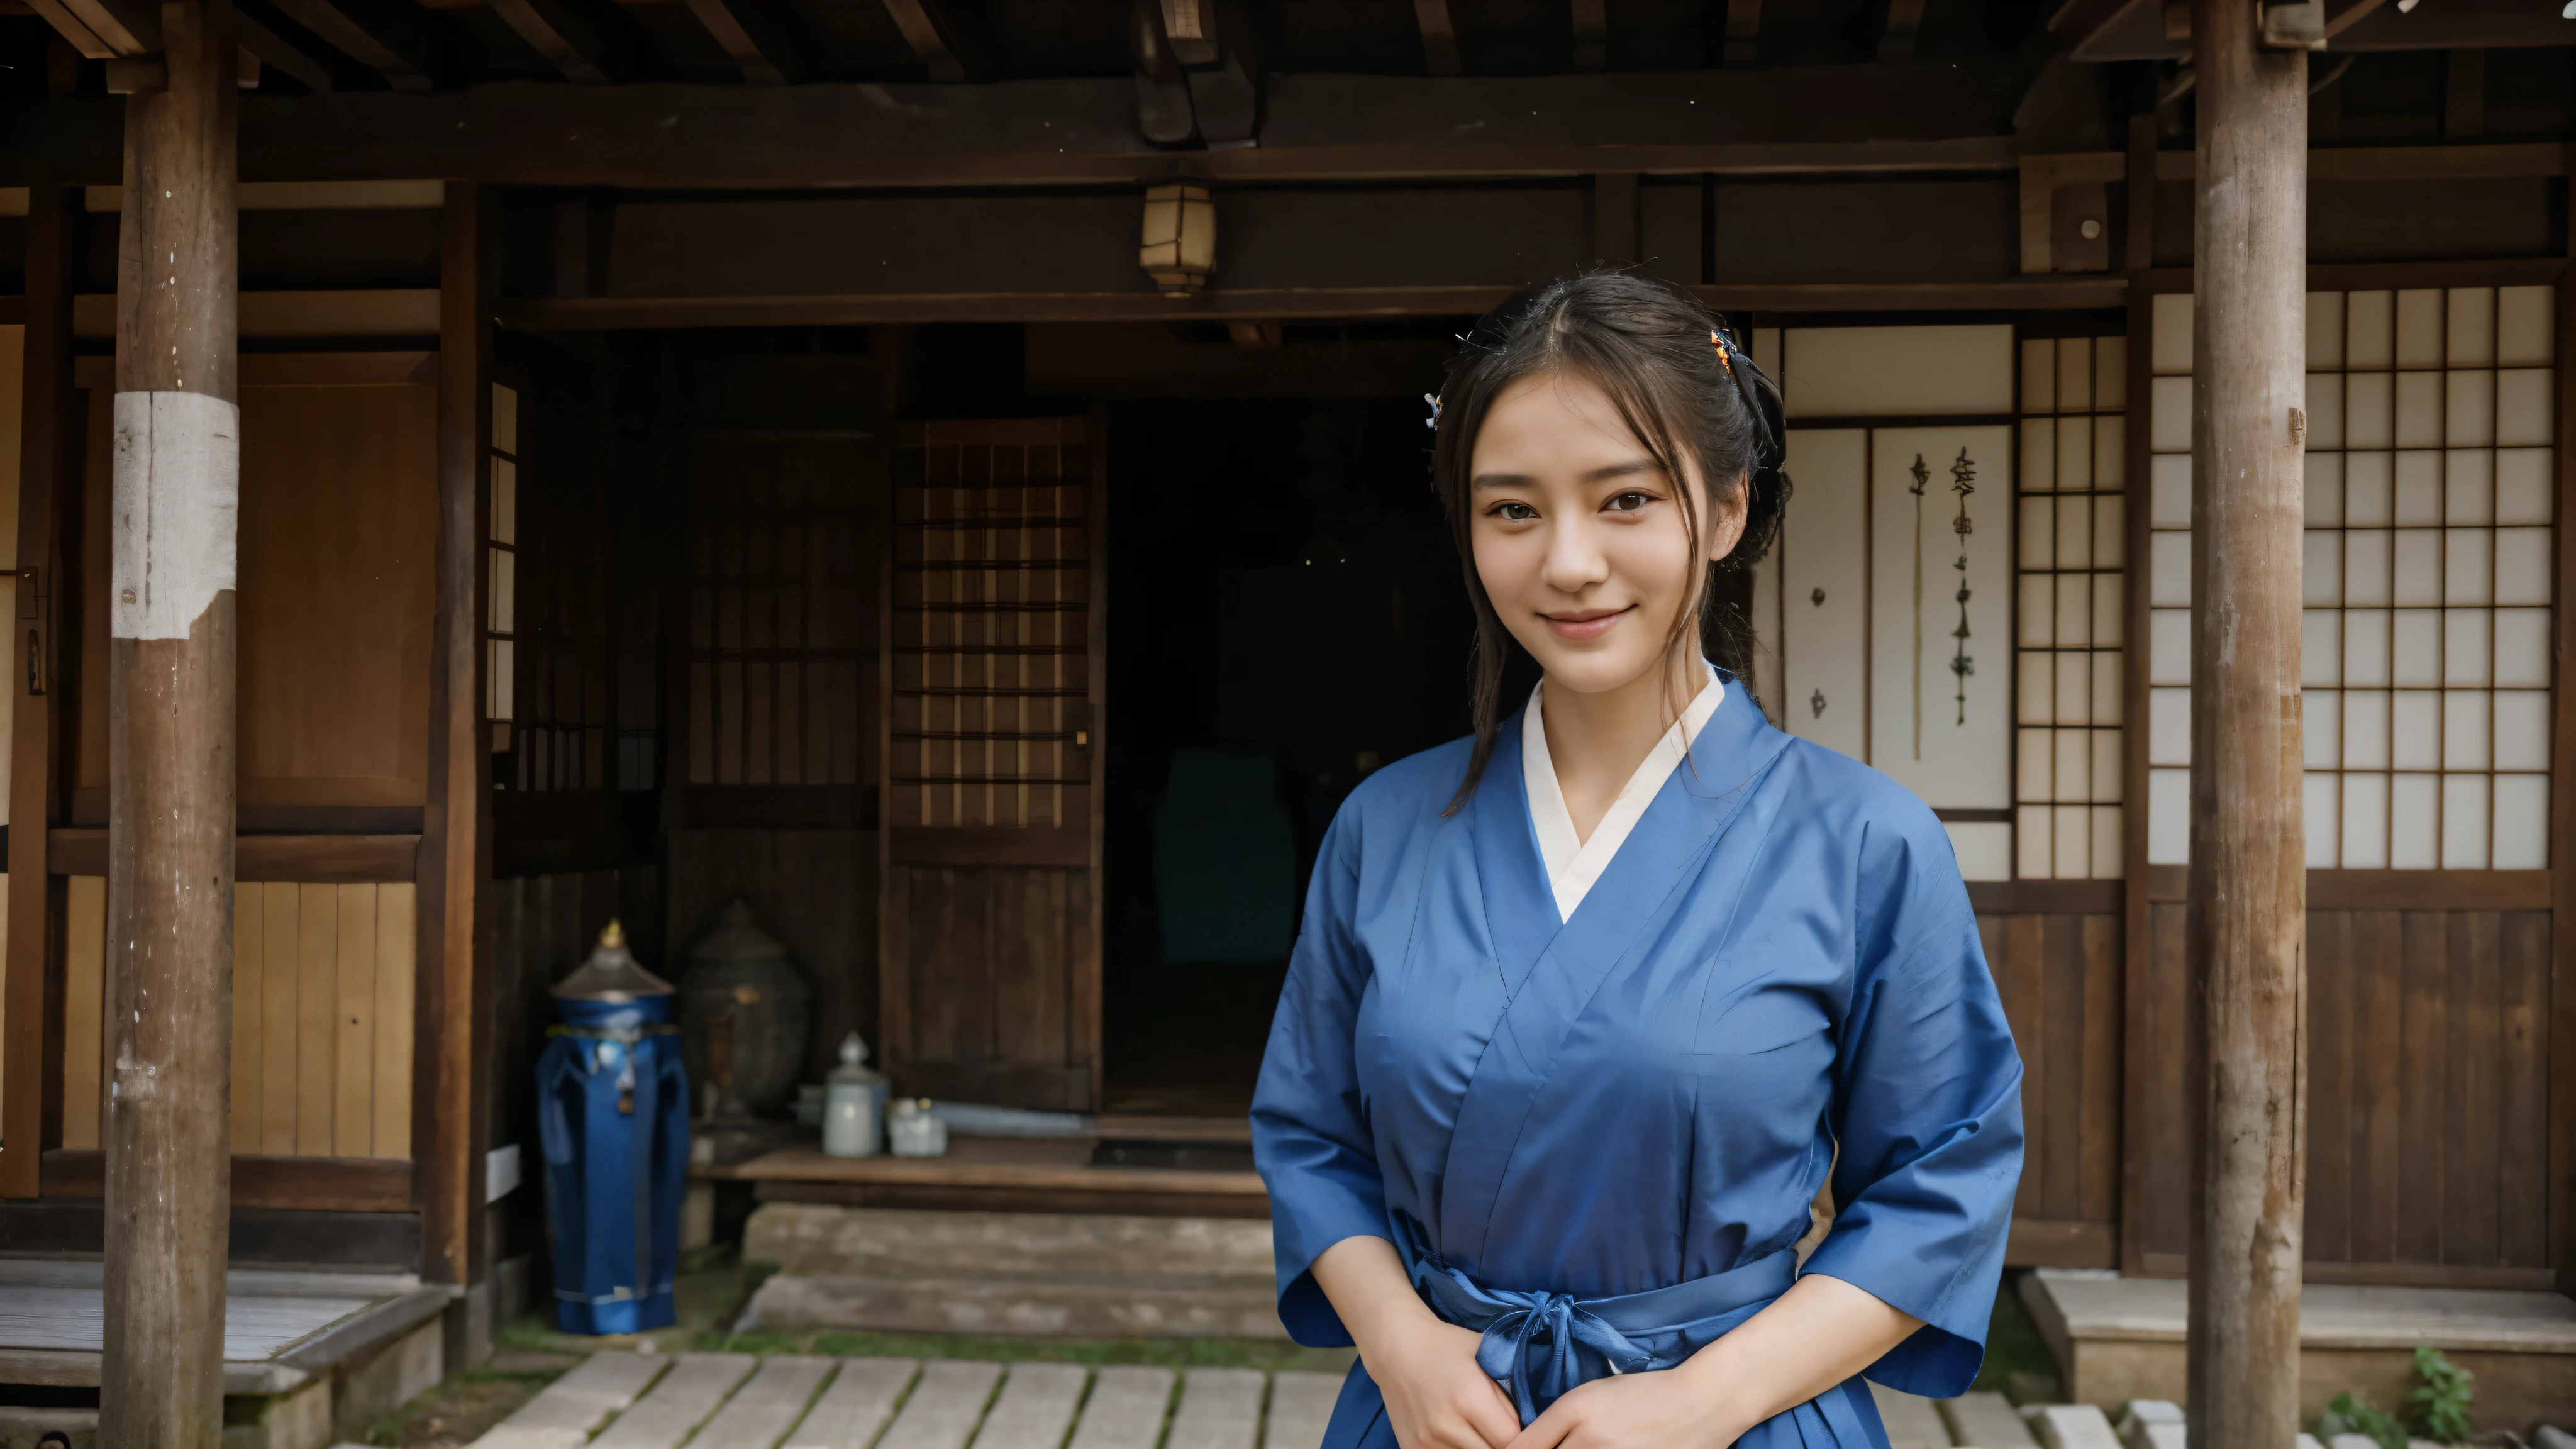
column 1580, row 537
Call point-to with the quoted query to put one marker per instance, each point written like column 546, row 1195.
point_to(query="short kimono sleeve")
column 1310, row 1134
column 1927, row 1115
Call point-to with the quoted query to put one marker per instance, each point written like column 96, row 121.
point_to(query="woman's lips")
column 1585, row 623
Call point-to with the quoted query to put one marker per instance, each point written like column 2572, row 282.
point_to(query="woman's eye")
column 1515, row 512
column 1628, row 502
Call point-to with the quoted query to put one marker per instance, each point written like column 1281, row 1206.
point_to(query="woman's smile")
column 1582, row 624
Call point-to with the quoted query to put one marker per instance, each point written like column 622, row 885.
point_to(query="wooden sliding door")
column 992, row 823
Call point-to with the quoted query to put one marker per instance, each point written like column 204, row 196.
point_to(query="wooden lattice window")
column 2071, row 592
column 991, row 658
column 2425, row 654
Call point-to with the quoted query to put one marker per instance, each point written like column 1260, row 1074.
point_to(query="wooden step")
column 830, row 1241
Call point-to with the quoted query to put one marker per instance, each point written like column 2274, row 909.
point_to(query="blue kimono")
column 1596, row 1140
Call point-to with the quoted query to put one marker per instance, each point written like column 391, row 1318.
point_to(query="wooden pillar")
column 2562, row 804
column 2136, row 904
column 170, row 749
column 454, row 990
column 48, row 475
column 2248, row 845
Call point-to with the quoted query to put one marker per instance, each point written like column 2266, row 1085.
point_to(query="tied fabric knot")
column 1530, row 1325
column 1529, row 1337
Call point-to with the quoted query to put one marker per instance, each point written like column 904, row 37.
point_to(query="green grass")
column 2013, row 1346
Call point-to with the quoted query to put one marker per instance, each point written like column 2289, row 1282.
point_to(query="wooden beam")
column 395, row 39
column 929, row 41
column 350, row 859
column 73, row 30
column 2464, row 95
column 2247, row 932
column 750, row 34
column 1743, row 34
column 542, row 314
column 322, row 1184
column 49, row 449
column 1591, row 34
column 114, row 29
column 170, row 748
column 453, row 986
column 2136, row 30
column 1614, row 218
column 271, row 49
column 1439, row 37
column 1867, row 118
column 1904, row 21
column 587, row 42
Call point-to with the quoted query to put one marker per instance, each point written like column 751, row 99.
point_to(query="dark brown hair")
column 1683, row 387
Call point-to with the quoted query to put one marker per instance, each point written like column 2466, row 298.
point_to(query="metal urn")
column 743, row 1010
column 613, row 1117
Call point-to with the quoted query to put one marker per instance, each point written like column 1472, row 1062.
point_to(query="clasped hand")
column 1438, row 1398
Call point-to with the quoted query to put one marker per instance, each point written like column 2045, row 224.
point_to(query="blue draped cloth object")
column 613, row 1118
column 1595, row 1140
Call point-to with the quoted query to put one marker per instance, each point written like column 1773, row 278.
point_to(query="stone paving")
column 623, row 1400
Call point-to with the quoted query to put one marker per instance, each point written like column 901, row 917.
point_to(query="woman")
column 1586, row 1009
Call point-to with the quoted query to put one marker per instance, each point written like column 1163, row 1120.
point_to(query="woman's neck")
column 1596, row 741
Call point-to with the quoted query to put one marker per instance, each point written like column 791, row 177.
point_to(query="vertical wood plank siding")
column 2060, row 979
column 2428, row 1061
column 322, row 1015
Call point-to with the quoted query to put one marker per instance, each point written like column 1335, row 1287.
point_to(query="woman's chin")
column 1592, row 671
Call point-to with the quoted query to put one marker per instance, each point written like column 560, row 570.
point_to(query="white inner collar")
column 1573, row 865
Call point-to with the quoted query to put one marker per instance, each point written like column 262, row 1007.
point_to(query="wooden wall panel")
column 322, row 1013
column 84, row 989
column 2428, row 1060
column 816, row 891
column 2061, row 983
column 786, row 552
column 338, row 517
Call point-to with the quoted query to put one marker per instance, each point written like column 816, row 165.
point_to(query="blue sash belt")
column 1539, row 1345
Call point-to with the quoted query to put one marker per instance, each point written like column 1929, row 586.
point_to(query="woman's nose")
column 1574, row 560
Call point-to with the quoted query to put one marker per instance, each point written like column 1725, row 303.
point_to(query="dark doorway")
column 1285, row 617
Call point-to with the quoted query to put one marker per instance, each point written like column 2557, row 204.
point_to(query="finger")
column 1546, row 1431
column 1493, row 1416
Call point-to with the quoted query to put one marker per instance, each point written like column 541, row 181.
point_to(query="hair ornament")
column 1432, row 422
column 1717, row 340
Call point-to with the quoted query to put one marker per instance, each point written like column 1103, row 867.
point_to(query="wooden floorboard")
column 1220, row 1409
column 945, row 1406
column 696, row 1384
column 73, row 1319
column 860, row 1399
column 1036, row 1407
column 1301, row 1404
column 762, row 1411
column 1125, row 1410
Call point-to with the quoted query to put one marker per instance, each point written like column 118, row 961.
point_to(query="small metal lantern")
column 743, row 1006
column 1179, row 246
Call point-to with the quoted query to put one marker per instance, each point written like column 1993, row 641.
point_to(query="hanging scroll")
column 1939, row 590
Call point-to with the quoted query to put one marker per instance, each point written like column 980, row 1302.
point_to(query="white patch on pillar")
column 176, row 511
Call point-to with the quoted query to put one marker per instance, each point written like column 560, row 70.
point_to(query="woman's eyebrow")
column 1500, row 480
column 1629, row 469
